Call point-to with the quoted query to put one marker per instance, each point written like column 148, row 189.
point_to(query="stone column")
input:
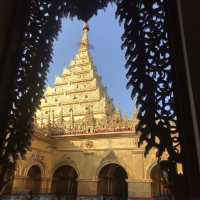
column 139, row 188
column 45, row 185
column 86, row 188
column 19, row 184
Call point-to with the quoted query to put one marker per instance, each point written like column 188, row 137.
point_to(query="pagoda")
column 78, row 102
column 82, row 147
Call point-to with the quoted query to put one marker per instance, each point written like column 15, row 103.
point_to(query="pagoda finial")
column 85, row 40
column 86, row 26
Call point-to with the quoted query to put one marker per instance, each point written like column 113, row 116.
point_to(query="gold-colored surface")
column 78, row 101
column 78, row 125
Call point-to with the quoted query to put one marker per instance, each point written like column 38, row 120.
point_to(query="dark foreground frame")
column 159, row 81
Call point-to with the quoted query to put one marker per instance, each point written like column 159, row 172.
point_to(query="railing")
column 92, row 132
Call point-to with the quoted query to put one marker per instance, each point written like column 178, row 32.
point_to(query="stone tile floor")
column 54, row 197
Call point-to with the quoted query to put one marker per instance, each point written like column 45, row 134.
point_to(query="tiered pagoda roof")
column 79, row 102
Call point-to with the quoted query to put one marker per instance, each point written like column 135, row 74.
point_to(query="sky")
column 105, row 37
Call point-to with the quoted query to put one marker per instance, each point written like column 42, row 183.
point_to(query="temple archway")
column 112, row 182
column 33, row 182
column 64, row 181
column 158, row 185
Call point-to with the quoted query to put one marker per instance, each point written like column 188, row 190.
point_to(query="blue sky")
column 105, row 36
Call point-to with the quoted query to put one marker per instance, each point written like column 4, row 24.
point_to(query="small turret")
column 85, row 41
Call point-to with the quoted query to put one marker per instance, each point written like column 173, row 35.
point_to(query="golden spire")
column 85, row 41
column 74, row 90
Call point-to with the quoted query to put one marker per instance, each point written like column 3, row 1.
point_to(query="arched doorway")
column 158, row 185
column 33, row 182
column 112, row 182
column 64, row 181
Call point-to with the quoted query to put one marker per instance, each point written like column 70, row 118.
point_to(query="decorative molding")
column 68, row 160
column 37, row 156
column 65, row 160
column 110, row 157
